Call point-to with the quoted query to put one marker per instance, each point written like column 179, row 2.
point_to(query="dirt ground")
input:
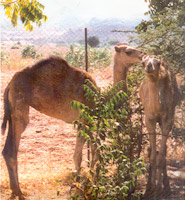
column 46, row 155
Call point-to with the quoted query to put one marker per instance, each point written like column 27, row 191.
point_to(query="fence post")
column 86, row 53
column 86, row 68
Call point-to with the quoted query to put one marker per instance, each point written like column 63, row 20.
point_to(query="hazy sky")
column 96, row 8
column 79, row 12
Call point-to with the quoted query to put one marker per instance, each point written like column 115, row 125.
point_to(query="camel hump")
column 51, row 61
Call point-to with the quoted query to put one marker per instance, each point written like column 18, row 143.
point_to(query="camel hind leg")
column 17, row 124
column 151, row 183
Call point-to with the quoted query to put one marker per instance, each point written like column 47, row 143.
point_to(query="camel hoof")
column 76, row 176
column 150, row 193
column 167, row 192
column 13, row 197
column 21, row 197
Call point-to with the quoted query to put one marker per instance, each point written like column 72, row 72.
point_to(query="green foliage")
column 56, row 53
column 76, row 56
column 113, row 42
column 29, row 51
column 5, row 59
column 97, row 57
column 15, row 47
column 108, row 125
column 4, row 55
column 29, row 11
column 93, row 41
column 157, row 6
column 163, row 34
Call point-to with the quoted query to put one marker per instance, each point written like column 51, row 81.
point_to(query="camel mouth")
column 151, row 73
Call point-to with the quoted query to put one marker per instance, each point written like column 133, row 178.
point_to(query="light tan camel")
column 159, row 96
column 124, row 57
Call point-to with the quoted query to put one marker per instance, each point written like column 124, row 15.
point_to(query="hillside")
column 59, row 34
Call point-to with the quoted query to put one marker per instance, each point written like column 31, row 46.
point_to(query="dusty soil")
column 46, row 155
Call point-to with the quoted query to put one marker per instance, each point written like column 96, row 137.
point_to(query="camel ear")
column 158, row 63
column 143, row 59
column 117, row 49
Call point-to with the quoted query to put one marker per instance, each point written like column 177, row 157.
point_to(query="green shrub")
column 4, row 55
column 15, row 47
column 56, row 53
column 109, row 126
column 97, row 57
column 93, row 41
column 113, row 42
column 76, row 56
column 29, row 51
column 39, row 55
column 5, row 60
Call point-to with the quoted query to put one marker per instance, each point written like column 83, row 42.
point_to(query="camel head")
column 127, row 54
column 151, row 66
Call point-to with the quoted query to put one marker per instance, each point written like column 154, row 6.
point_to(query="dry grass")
column 12, row 58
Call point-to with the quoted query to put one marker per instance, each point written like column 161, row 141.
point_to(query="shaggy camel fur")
column 159, row 96
column 124, row 57
column 49, row 86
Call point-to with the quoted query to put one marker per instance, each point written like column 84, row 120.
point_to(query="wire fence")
column 21, row 48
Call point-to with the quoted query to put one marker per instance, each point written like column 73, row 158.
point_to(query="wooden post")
column 86, row 68
column 86, row 52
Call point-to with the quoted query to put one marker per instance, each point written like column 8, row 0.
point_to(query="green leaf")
column 30, row 12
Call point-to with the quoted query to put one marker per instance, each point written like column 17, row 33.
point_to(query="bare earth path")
column 46, row 156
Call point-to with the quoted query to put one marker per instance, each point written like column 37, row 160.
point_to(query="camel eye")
column 128, row 51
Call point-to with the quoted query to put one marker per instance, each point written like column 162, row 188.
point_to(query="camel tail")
column 7, row 116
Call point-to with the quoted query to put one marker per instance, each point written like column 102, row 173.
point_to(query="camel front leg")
column 161, row 163
column 151, row 184
column 80, row 141
column 95, row 155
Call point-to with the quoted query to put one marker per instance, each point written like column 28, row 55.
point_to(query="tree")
column 93, row 41
column 164, row 34
column 29, row 11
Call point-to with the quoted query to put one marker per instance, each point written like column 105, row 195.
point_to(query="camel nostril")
column 142, row 55
column 149, row 68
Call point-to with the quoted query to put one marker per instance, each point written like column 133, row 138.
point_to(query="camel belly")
column 67, row 115
column 54, row 107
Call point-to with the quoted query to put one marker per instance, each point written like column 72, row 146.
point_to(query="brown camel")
column 159, row 96
column 49, row 86
column 124, row 57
